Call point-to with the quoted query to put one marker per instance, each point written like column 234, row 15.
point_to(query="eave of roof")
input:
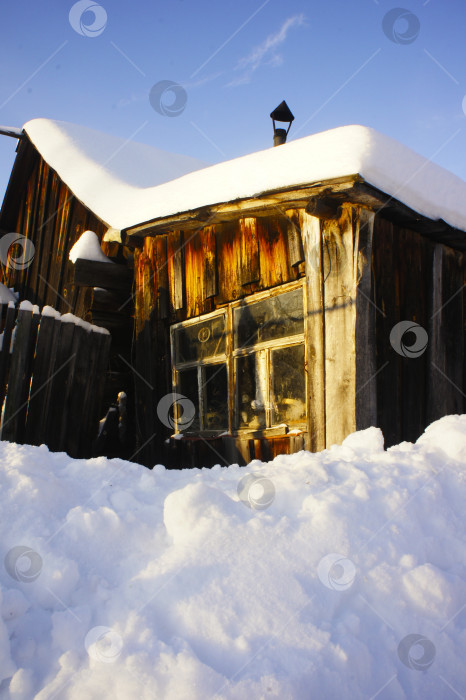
column 354, row 190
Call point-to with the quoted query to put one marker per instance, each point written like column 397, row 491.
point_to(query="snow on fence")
column 52, row 373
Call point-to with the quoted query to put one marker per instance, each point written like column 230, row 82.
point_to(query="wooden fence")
column 52, row 375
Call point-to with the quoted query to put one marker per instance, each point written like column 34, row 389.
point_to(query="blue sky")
column 335, row 62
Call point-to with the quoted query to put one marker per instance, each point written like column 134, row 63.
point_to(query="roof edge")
column 292, row 196
column 352, row 189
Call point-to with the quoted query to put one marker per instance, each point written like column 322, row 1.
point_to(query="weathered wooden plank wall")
column 364, row 275
column 151, row 350
column 420, row 281
column 340, row 339
column 39, row 206
column 247, row 256
column 445, row 391
column 184, row 274
column 339, row 304
column 366, row 361
column 315, row 359
column 218, row 264
column 44, row 210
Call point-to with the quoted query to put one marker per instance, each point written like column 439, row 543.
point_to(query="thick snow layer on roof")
column 332, row 575
column 105, row 172
column 113, row 184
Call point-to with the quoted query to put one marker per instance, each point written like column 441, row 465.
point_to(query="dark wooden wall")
column 417, row 280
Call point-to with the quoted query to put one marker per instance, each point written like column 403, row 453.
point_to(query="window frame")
column 229, row 359
column 267, row 348
column 220, row 359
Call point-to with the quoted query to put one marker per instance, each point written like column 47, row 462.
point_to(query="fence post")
column 39, row 394
column 5, row 351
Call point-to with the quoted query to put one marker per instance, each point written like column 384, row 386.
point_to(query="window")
column 244, row 367
column 268, row 351
column 201, row 371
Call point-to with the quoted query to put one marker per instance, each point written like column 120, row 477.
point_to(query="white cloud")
column 267, row 52
column 201, row 81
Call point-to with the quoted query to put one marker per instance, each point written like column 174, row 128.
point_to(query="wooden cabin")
column 268, row 304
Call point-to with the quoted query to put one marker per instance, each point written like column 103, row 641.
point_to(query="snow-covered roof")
column 108, row 174
column 127, row 183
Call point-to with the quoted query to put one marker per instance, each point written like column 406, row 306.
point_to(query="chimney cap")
column 282, row 113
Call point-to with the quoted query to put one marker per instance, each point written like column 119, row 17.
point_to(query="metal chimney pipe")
column 279, row 137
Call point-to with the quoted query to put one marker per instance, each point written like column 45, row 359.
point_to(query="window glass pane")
column 200, row 340
column 188, row 386
column 288, row 385
column 276, row 317
column 215, row 397
column 251, row 381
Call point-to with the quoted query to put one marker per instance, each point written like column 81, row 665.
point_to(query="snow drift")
column 331, row 575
